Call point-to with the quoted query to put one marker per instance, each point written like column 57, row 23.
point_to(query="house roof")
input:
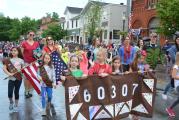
column 76, row 17
column 91, row 3
column 100, row 3
column 62, row 19
column 74, row 10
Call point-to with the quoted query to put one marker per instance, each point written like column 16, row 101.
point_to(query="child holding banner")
column 101, row 67
column 139, row 64
column 73, row 70
column 11, row 68
column 117, row 66
column 48, row 81
column 175, row 75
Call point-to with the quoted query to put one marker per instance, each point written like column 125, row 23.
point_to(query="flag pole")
column 26, row 66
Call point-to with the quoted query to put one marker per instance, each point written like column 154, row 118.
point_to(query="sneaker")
column 164, row 96
column 170, row 112
column 27, row 96
column 44, row 112
column 48, row 105
column 15, row 108
column 30, row 95
column 11, row 107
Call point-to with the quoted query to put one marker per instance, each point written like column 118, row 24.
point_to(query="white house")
column 84, row 20
column 113, row 20
column 71, row 23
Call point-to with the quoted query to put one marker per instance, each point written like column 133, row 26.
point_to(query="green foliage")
column 28, row 24
column 154, row 56
column 55, row 16
column 167, row 11
column 123, row 33
column 48, row 15
column 15, row 32
column 55, row 31
column 5, row 26
column 93, row 19
column 12, row 29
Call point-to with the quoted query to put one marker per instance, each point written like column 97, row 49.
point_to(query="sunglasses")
column 31, row 34
column 49, row 39
column 154, row 36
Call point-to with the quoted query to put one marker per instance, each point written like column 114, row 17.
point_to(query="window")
column 110, row 35
column 76, row 23
column 67, row 24
column 105, row 34
column 63, row 25
column 116, row 34
column 152, row 4
column 72, row 24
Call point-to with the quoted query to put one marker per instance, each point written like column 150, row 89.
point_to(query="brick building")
column 45, row 21
column 144, row 16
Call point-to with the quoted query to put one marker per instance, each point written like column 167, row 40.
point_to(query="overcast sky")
column 38, row 8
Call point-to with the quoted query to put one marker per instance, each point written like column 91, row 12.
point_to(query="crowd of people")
column 95, row 59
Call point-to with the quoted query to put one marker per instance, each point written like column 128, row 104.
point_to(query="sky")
column 38, row 8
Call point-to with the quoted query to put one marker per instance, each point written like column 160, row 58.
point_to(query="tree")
column 55, row 16
column 48, row 15
column 12, row 29
column 93, row 19
column 167, row 11
column 15, row 32
column 5, row 26
column 55, row 31
column 28, row 24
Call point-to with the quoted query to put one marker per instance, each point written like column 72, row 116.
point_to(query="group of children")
column 77, row 67
column 13, row 65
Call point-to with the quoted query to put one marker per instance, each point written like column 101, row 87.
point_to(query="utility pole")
column 129, row 7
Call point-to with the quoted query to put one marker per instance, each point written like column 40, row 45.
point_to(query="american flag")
column 59, row 64
column 30, row 73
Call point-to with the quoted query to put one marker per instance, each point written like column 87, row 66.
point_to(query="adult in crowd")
column 126, row 53
column 92, row 53
column 50, row 46
column 166, row 46
column 27, row 48
column 171, row 61
column 141, row 45
column 110, row 49
column 154, row 52
column 175, row 76
column 6, row 49
column 1, row 51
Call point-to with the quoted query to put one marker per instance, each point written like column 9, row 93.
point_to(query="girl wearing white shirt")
column 175, row 75
column 48, row 81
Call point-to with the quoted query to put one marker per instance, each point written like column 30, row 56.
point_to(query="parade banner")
column 111, row 98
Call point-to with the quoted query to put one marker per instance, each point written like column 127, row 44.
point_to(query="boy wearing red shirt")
column 101, row 67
